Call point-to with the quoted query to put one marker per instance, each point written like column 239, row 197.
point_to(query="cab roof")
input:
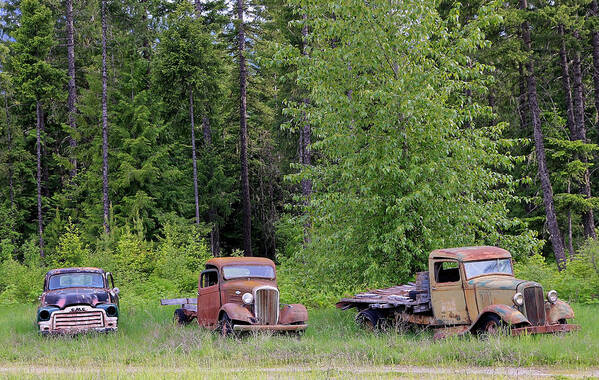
column 74, row 270
column 220, row 262
column 471, row 253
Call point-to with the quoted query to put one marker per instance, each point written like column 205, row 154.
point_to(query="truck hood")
column 499, row 282
column 76, row 296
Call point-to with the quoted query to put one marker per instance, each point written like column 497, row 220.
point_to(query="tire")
column 369, row 320
column 491, row 324
column 225, row 326
column 181, row 318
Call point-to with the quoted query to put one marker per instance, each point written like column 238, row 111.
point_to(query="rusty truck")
column 465, row 290
column 77, row 300
column 237, row 294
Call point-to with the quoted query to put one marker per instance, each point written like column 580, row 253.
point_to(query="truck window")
column 209, row 278
column 447, row 271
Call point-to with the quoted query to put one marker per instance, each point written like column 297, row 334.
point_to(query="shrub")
column 579, row 282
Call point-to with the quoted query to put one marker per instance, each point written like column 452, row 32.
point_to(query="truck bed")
column 412, row 297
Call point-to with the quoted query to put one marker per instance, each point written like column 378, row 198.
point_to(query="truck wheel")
column 369, row 320
column 181, row 318
column 491, row 325
column 225, row 326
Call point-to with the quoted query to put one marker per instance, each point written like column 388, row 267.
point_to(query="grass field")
column 148, row 343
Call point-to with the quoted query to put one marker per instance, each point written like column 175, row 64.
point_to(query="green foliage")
column 71, row 250
column 404, row 165
column 579, row 282
column 143, row 270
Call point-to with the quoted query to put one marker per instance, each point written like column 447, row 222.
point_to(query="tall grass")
column 147, row 338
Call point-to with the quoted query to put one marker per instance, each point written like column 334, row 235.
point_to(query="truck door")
column 447, row 292
column 208, row 298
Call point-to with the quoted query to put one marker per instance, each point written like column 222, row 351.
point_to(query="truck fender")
column 558, row 310
column 507, row 314
column 237, row 313
column 293, row 313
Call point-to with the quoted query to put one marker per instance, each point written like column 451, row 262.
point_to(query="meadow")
column 148, row 343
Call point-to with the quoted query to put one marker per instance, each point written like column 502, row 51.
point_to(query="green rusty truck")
column 466, row 290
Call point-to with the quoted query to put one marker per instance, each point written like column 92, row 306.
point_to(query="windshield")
column 477, row 268
column 237, row 271
column 76, row 280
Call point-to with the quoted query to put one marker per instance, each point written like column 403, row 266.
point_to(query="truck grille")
column 89, row 319
column 267, row 306
column 535, row 305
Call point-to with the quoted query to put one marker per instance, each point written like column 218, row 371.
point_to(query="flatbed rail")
column 185, row 303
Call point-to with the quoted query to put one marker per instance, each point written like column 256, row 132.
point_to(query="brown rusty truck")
column 469, row 289
column 238, row 294
column 78, row 300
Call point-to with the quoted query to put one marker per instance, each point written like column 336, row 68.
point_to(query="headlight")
column 44, row 313
column 552, row 296
column 247, row 298
column 111, row 309
column 518, row 299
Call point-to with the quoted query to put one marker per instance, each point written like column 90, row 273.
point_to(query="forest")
column 343, row 139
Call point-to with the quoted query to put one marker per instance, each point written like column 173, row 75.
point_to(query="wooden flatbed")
column 411, row 298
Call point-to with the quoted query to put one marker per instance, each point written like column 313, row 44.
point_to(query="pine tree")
column 39, row 82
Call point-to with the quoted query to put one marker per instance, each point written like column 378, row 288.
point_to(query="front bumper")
column 545, row 329
column 78, row 319
column 79, row 331
column 270, row 327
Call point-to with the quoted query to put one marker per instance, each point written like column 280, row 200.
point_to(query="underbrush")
column 148, row 338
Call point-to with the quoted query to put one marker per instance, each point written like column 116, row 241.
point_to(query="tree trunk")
column 11, row 190
column 193, row 158
column 38, row 146
column 588, row 221
column 212, row 214
column 245, row 184
column 198, row 7
column 555, row 234
column 105, row 125
column 522, row 99
column 72, row 96
column 595, row 43
column 570, row 245
column 305, row 141
column 566, row 82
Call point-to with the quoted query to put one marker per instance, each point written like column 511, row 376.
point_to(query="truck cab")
column 239, row 294
column 466, row 289
column 475, row 286
column 77, row 300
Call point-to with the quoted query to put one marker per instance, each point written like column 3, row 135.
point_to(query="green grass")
column 147, row 339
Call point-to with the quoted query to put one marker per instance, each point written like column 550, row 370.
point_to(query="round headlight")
column 518, row 299
column 552, row 296
column 247, row 298
column 111, row 311
column 44, row 315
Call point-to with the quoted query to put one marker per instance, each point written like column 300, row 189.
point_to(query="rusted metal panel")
column 301, row 327
column 544, row 329
column 534, row 305
column 558, row 311
column 454, row 301
column 293, row 313
column 471, row 253
column 221, row 296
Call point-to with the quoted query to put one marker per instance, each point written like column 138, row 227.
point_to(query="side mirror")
column 116, row 290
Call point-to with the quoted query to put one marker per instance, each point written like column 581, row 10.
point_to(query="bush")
column 579, row 282
column 143, row 270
